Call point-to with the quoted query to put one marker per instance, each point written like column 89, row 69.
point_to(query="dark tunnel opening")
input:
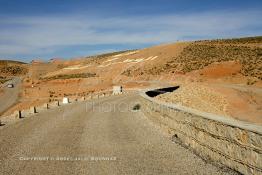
column 156, row 92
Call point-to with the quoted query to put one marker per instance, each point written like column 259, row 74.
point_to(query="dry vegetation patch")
column 3, row 79
column 246, row 40
column 197, row 56
column 12, row 68
column 70, row 76
column 200, row 54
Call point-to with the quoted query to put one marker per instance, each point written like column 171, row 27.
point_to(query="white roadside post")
column 117, row 90
column 65, row 100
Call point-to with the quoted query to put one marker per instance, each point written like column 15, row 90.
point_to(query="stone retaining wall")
column 224, row 141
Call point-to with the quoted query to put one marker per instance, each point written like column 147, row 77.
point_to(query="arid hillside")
column 234, row 57
column 200, row 54
column 10, row 68
column 231, row 64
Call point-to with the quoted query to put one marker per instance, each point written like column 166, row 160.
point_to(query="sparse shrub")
column 251, row 82
column 137, row 107
column 14, row 70
column 203, row 53
column 69, row 76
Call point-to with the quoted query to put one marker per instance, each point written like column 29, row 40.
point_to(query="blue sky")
column 32, row 29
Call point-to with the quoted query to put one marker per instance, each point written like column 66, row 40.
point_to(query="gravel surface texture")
column 102, row 136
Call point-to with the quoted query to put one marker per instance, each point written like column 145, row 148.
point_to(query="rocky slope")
column 10, row 68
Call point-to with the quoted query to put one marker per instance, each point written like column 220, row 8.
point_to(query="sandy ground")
column 199, row 97
column 245, row 105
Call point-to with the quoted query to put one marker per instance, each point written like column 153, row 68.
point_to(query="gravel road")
column 99, row 137
column 10, row 95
